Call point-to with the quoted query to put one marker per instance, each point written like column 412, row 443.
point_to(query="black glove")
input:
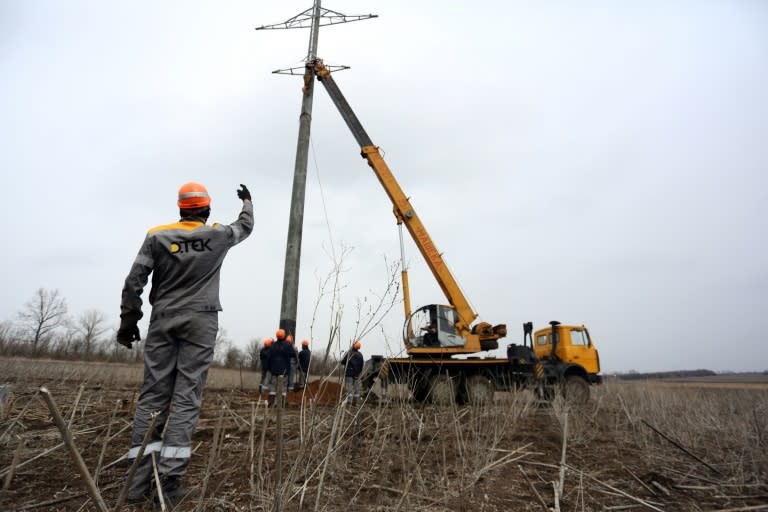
column 126, row 335
column 244, row 193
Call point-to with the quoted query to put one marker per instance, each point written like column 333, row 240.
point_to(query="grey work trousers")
column 353, row 388
column 266, row 378
column 273, row 384
column 291, row 382
column 177, row 354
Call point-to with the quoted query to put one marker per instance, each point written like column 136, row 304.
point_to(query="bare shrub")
column 10, row 338
column 223, row 345
column 370, row 310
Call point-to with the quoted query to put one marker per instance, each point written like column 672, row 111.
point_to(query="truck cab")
column 570, row 344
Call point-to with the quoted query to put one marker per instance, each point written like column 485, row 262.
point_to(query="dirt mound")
column 324, row 392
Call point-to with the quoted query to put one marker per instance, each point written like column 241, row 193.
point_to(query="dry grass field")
column 671, row 446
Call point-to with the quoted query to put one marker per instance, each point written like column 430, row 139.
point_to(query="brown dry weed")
column 634, row 446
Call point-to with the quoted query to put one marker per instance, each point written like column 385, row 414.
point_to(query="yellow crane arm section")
column 402, row 206
column 413, row 224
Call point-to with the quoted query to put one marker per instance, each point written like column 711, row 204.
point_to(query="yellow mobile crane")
column 435, row 333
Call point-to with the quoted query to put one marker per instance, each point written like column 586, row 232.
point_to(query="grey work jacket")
column 185, row 259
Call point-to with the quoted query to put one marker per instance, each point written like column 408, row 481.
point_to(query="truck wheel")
column 478, row 390
column 442, row 390
column 576, row 390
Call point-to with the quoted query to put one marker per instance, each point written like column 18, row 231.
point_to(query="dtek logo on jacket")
column 196, row 245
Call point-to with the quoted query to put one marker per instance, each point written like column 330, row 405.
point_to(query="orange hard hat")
column 280, row 334
column 357, row 345
column 193, row 195
column 267, row 342
column 290, row 339
column 304, row 343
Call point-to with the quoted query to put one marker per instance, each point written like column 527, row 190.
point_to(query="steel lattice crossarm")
column 327, row 17
column 303, row 69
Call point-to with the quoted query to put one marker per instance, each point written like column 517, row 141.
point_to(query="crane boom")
column 403, row 208
column 405, row 214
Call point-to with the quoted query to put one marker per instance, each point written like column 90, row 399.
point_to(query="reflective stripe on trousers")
column 273, row 384
column 170, row 452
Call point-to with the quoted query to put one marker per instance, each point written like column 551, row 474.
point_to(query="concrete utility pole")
column 316, row 17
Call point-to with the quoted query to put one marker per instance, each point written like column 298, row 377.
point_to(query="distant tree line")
column 43, row 328
column 676, row 374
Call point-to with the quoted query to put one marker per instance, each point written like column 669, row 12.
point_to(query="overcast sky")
column 594, row 162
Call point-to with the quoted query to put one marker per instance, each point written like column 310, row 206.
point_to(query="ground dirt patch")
column 402, row 455
column 321, row 392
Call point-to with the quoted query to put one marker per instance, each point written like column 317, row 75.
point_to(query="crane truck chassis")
column 566, row 363
column 441, row 340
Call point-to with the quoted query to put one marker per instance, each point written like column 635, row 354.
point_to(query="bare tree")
column 331, row 286
column 43, row 314
column 233, row 357
column 223, row 344
column 91, row 325
column 252, row 353
column 370, row 313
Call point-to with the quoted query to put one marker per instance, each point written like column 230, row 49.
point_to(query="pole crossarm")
column 327, row 17
column 303, row 69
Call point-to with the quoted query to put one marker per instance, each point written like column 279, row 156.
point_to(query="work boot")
column 138, row 493
column 174, row 492
column 141, row 485
column 135, row 499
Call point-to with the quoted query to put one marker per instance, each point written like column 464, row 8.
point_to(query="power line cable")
column 322, row 198
column 445, row 262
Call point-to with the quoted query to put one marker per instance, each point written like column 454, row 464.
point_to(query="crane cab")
column 436, row 330
column 433, row 326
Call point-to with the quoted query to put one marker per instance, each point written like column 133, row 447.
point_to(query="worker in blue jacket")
column 264, row 363
column 353, row 366
column 281, row 353
column 304, row 357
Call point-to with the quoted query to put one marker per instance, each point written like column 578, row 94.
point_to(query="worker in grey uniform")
column 184, row 259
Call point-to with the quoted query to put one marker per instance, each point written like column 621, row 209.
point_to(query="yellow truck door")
column 577, row 348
